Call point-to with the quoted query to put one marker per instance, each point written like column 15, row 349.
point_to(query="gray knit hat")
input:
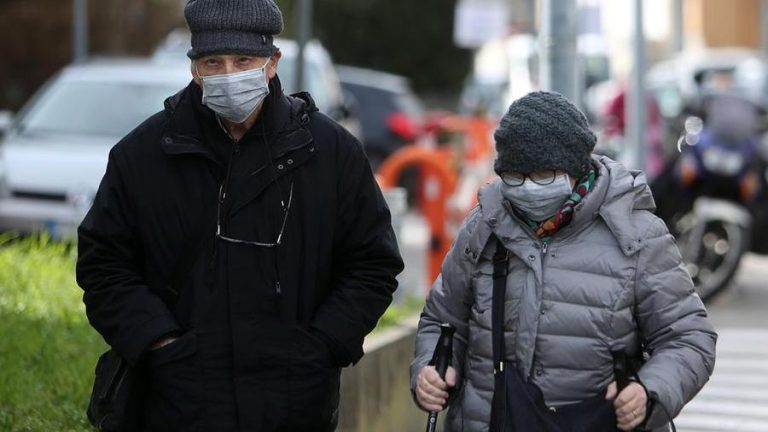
column 543, row 130
column 233, row 27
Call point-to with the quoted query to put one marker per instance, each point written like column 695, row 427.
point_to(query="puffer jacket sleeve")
column 674, row 324
column 118, row 301
column 449, row 301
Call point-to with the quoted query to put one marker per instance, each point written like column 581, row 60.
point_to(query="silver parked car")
column 55, row 152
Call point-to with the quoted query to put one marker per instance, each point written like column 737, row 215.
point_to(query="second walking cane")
column 441, row 359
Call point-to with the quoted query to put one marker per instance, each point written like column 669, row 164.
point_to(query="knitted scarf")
column 547, row 228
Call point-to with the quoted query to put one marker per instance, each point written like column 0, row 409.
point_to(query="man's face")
column 221, row 64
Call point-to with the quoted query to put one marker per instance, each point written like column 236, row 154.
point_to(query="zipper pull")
column 544, row 247
column 278, row 290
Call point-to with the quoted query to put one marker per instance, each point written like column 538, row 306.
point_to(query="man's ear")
column 274, row 61
column 195, row 75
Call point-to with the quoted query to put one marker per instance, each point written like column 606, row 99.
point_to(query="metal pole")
column 764, row 25
column 79, row 30
column 558, row 47
column 678, row 37
column 635, row 104
column 304, row 19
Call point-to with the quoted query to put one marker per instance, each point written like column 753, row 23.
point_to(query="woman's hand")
column 630, row 405
column 431, row 390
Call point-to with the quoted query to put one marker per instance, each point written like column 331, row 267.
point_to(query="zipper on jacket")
column 544, row 247
column 221, row 199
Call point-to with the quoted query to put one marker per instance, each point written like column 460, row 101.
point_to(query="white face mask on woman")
column 236, row 96
column 538, row 202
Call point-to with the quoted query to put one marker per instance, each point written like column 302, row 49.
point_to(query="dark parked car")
column 391, row 115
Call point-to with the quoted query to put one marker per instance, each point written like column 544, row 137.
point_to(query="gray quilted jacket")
column 610, row 279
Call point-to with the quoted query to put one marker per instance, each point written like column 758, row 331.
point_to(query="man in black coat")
column 239, row 245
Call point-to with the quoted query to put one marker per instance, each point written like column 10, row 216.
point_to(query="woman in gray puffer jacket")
column 591, row 269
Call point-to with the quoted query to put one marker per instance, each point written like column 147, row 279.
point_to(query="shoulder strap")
column 500, row 270
column 499, row 403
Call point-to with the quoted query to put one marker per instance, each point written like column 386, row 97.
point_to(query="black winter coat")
column 263, row 331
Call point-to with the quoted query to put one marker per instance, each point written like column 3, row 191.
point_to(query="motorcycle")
column 712, row 196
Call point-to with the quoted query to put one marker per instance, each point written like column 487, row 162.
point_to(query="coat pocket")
column 174, row 385
column 181, row 348
column 312, row 350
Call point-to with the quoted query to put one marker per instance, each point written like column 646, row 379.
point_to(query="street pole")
column 635, row 101
column 304, row 26
column 557, row 40
column 79, row 30
column 678, row 37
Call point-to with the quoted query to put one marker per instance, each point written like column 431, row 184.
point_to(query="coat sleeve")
column 673, row 321
column 449, row 301
column 366, row 258
column 118, row 301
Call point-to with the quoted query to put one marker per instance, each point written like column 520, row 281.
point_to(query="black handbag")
column 117, row 399
column 518, row 405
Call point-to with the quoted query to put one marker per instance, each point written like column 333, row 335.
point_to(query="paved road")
column 736, row 399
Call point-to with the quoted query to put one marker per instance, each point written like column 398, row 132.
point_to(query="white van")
column 508, row 68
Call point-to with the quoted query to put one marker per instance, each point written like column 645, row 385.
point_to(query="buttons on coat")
column 493, row 221
column 168, row 140
column 281, row 166
column 531, row 258
column 289, row 161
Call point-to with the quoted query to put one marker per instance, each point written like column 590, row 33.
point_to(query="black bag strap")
column 500, row 270
column 499, row 403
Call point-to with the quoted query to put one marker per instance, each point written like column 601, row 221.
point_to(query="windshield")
column 99, row 108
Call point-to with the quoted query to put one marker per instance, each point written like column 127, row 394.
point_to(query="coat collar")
column 284, row 117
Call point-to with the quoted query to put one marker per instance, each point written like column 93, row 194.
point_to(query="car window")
column 101, row 108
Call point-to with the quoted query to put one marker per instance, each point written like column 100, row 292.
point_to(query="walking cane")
column 441, row 359
column 620, row 370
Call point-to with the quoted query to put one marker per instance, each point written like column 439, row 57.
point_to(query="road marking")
column 736, row 398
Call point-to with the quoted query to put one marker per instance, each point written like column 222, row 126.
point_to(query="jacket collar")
column 616, row 193
column 283, row 118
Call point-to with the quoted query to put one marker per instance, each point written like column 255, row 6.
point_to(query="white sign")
column 478, row 21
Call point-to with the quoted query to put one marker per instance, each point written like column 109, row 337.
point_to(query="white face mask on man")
column 538, row 202
column 236, row 96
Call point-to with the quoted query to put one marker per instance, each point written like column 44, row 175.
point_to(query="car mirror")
column 6, row 120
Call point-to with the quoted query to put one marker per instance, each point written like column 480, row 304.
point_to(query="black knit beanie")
column 233, row 27
column 543, row 130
